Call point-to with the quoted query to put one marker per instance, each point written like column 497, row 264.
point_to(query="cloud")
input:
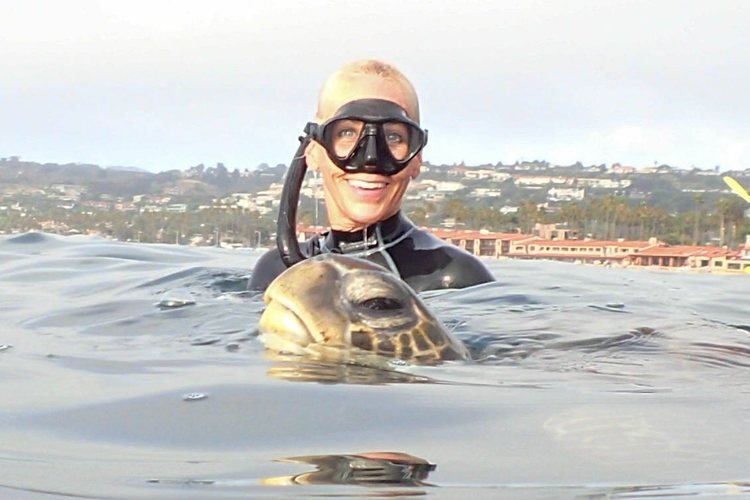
column 179, row 82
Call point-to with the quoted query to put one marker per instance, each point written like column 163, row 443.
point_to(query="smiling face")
column 355, row 200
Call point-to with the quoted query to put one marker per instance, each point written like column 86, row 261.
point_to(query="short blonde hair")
column 377, row 68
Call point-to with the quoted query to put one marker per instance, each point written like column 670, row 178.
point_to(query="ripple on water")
column 173, row 299
column 588, row 380
column 718, row 355
column 31, row 238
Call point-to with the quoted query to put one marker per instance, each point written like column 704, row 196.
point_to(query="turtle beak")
column 303, row 307
column 282, row 330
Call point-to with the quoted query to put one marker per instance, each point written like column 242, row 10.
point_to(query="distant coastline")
column 216, row 206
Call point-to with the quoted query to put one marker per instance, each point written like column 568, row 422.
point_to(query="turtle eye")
column 381, row 304
column 378, row 299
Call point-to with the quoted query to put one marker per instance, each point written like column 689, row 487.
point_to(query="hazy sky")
column 170, row 84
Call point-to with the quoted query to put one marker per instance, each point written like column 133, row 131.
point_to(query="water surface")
column 134, row 371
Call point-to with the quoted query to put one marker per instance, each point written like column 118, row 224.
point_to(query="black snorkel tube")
column 286, row 223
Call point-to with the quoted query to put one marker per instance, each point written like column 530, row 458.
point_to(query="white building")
column 177, row 208
column 449, row 186
column 565, row 194
column 604, row 183
column 487, row 192
column 486, row 173
column 541, row 180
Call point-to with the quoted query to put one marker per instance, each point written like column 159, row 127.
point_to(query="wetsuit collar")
column 381, row 234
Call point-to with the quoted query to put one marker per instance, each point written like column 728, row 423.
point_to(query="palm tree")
column 528, row 215
column 730, row 212
column 698, row 199
column 573, row 215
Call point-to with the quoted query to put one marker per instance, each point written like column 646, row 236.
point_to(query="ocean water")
column 134, row 371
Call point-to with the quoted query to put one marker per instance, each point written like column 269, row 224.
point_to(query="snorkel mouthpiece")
column 370, row 136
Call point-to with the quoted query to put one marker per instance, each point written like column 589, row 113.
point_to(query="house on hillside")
column 565, row 194
column 487, row 192
column 541, row 180
column 486, row 173
column 603, row 183
column 622, row 169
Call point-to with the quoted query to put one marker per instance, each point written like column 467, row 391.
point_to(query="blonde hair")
column 372, row 67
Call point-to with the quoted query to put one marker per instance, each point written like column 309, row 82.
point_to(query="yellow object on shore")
column 737, row 188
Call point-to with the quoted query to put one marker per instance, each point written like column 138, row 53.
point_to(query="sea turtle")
column 340, row 308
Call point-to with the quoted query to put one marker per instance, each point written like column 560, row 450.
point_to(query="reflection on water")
column 299, row 370
column 134, row 371
column 367, row 469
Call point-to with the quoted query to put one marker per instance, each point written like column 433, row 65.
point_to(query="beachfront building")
column 651, row 253
column 737, row 266
column 696, row 257
column 481, row 243
column 620, row 252
column 554, row 232
column 717, row 259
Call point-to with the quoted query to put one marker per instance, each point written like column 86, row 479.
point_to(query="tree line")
column 606, row 218
column 229, row 226
column 721, row 222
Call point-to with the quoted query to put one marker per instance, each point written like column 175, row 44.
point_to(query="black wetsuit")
column 422, row 260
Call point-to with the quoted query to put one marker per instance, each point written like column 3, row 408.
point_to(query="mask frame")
column 371, row 153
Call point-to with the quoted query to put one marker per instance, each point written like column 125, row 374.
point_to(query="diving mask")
column 370, row 136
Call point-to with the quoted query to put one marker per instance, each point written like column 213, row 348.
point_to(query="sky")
column 165, row 85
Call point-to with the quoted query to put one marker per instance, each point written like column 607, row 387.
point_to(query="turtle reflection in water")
column 364, row 469
column 336, row 308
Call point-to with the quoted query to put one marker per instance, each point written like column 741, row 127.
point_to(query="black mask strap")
column 286, row 223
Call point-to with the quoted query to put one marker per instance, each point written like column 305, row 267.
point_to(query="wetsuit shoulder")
column 267, row 267
column 426, row 262
column 270, row 265
column 464, row 269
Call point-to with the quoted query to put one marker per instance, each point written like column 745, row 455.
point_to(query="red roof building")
column 683, row 255
column 606, row 252
column 481, row 243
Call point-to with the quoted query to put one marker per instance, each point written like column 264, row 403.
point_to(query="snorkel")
column 286, row 223
column 364, row 136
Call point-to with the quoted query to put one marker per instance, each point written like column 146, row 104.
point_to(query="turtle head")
column 334, row 301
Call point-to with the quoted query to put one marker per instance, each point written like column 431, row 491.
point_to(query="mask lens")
column 397, row 138
column 343, row 136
